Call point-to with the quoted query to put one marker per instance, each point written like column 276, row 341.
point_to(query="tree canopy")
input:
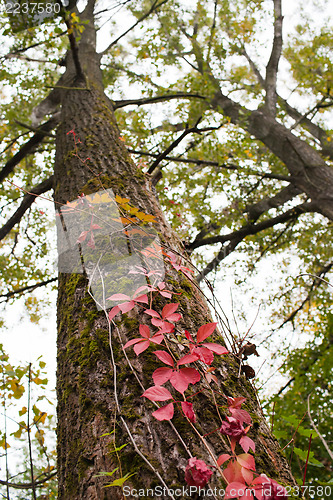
column 228, row 107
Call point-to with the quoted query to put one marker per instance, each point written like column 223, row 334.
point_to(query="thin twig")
column 153, row 8
column 329, row 451
column 33, row 486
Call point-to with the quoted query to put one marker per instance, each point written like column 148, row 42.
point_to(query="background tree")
column 237, row 141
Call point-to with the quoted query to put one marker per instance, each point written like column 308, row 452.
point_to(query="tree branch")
column 315, row 284
column 329, row 451
column 286, row 194
column 301, row 119
column 19, row 51
column 272, row 66
column 27, row 201
column 223, row 253
column 254, row 68
column 209, row 163
column 251, row 229
column 29, row 486
column 153, row 8
column 29, row 147
column 151, row 100
column 315, row 130
column 74, row 47
column 175, row 143
column 24, row 289
column 308, row 170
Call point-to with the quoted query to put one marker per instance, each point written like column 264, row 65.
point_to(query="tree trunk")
column 88, row 412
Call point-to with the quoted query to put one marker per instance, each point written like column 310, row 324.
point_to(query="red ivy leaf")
column 205, row 331
column 164, row 357
column 119, row 296
column 223, row 458
column 235, row 402
column 235, row 490
column 241, row 415
column 114, row 311
column 188, row 336
column 141, row 288
column 157, row 338
column 204, row 354
column 157, row 393
column 169, row 309
column 217, row 348
column 247, row 443
column 179, row 381
column 152, row 313
column 157, row 322
column 142, row 298
column 188, row 358
column 141, row 346
column 162, row 375
column 126, row 306
column 191, row 374
column 167, row 328
column 95, row 226
column 91, row 242
column 246, row 460
column 188, row 411
column 164, row 413
column 82, row 237
column 132, row 342
column 144, row 331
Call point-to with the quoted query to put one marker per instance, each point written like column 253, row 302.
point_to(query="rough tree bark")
column 85, row 378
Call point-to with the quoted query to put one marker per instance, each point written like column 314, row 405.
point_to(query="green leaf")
column 107, row 434
column 280, row 434
column 106, row 473
column 119, row 448
column 302, row 454
column 120, row 481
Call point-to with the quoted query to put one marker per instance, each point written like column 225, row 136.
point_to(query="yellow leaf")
column 3, row 444
column 121, row 200
column 23, row 411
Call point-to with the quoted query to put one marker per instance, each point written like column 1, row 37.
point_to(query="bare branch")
column 25, row 289
column 29, row 147
column 272, row 66
column 286, row 194
column 208, row 163
column 254, row 68
column 329, row 451
column 175, row 143
column 153, row 8
column 315, row 130
column 212, row 30
column 29, row 486
column 223, row 253
column 300, row 119
column 315, row 284
column 27, row 201
column 152, row 100
column 285, row 386
column 251, row 229
column 19, row 51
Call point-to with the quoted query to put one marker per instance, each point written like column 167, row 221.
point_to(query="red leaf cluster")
column 205, row 351
column 197, row 473
column 141, row 344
